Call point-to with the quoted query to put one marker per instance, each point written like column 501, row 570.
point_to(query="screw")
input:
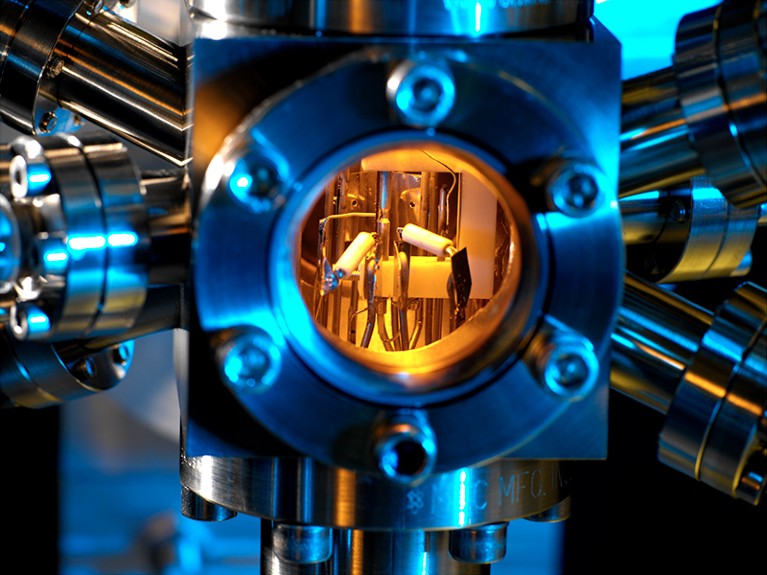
column 47, row 123
column 250, row 362
column 256, row 183
column 406, row 450
column 85, row 369
column 678, row 212
column 422, row 93
column 575, row 189
column 54, row 68
column 121, row 354
column 568, row 366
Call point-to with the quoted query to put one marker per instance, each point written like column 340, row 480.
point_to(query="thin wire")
column 452, row 187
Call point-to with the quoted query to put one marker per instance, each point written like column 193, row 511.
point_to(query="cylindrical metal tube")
column 706, row 113
column 643, row 217
column 363, row 552
column 656, row 152
column 70, row 59
column 687, row 234
column 655, row 339
column 125, row 80
column 274, row 563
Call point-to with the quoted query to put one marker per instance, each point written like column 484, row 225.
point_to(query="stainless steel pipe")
column 656, row 336
column 705, row 114
column 69, row 60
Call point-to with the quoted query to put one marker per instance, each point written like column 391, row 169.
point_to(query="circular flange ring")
column 285, row 133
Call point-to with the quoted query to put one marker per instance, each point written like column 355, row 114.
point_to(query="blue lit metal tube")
column 64, row 61
column 707, row 113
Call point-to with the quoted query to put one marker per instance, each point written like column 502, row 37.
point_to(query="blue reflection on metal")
column 462, row 500
column 241, row 182
column 38, row 176
column 98, row 241
column 122, row 240
column 55, row 261
column 82, row 243
column 38, row 321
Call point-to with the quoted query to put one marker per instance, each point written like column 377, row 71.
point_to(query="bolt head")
column 575, row 189
column 568, row 366
column 256, row 183
column 54, row 68
column 47, row 123
column 121, row 354
column 421, row 92
column 250, row 362
column 406, row 450
column 85, row 369
column 679, row 212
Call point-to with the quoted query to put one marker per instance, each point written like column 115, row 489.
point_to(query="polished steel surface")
column 399, row 17
column 30, row 31
column 69, row 60
column 301, row 490
column 654, row 341
column 335, row 424
column 85, row 235
column 706, row 113
column 127, row 81
column 35, row 375
column 687, row 234
column 195, row 507
column 706, row 373
column 720, row 74
column 481, row 545
column 656, row 152
column 371, row 419
column 714, row 429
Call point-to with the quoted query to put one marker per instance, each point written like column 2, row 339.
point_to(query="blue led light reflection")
column 38, row 177
column 122, row 240
column 98, row 241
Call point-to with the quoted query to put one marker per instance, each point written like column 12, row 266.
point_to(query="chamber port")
column 402, row 250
